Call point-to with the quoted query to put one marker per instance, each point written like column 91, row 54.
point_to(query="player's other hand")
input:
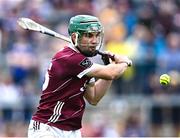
column 107, row 57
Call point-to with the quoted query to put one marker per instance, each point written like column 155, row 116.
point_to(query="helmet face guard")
column 86, row 25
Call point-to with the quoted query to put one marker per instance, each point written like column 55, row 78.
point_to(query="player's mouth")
column 92, row 48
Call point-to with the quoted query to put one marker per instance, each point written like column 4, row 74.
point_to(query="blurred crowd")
column 148, row 31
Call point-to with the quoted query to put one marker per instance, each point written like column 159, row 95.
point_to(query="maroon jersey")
column 62, row 103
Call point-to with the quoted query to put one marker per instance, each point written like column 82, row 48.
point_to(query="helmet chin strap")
column 76, row 40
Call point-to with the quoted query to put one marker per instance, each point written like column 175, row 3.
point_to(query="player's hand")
column 106, row 57
column 122, row 59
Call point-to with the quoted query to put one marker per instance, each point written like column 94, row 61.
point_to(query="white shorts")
column 40, row 130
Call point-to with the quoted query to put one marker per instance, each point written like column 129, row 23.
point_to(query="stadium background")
column 136, row 105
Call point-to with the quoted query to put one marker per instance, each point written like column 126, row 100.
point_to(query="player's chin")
column 92, row 52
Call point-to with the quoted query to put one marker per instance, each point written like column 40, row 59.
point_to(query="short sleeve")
column 77, row 64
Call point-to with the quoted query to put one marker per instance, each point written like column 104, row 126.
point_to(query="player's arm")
column 95, row 91
column 111, row 71
column 106, row 74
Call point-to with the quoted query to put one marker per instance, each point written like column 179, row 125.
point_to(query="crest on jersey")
column 86, row 63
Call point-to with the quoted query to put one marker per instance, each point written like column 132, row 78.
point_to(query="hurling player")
column 70, row 78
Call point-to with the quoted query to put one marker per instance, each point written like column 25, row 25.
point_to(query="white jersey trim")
column 84, row 72
column 56, row 112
